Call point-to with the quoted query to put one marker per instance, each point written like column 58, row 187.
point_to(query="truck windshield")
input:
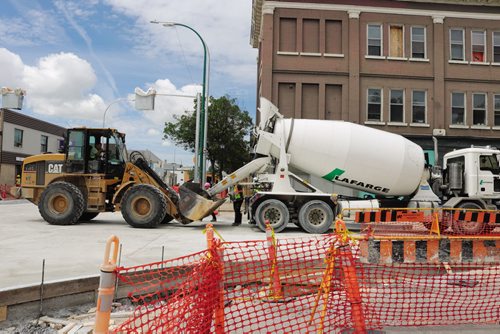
column 489, row 162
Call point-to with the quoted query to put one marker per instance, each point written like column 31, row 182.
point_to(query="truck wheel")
column 61, row 203
column 275, row 212
column 88, row 216
column 468, row 227
column 316, row 217
column 143, row 206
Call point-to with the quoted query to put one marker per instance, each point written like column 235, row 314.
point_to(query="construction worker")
column 237, row 198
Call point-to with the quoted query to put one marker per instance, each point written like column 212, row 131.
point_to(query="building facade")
column 416, row 68
column 22, row 136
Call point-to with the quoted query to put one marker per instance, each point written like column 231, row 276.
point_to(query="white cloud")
column 59, row 84
column 167, row 105
column 153, row 132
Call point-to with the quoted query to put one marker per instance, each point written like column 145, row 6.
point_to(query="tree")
column 228, row 134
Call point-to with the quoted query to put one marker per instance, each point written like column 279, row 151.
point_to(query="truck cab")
column 473, row 172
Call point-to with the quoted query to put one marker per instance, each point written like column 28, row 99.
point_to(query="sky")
column 76, row 58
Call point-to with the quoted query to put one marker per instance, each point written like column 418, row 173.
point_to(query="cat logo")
column 54, row 168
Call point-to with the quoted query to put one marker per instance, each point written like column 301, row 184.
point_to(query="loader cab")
column 95, row 151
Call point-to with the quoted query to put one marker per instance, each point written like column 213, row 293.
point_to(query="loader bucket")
column 194, row 206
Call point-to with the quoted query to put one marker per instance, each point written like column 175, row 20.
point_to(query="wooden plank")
column 3, row 313
column 50, row 290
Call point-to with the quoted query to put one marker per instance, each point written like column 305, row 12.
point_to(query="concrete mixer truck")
column 384, row 164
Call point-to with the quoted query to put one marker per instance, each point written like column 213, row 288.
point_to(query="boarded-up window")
column 333, row 36
column 310, row 36
column 310, row 97
column 396, row 42
column 286, row 99
column 288, row 35
column 333, row 102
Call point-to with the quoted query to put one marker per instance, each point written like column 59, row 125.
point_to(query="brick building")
column 22, row 136
column 417, row 68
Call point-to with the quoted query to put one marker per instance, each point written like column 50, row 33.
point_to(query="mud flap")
column 194, row 206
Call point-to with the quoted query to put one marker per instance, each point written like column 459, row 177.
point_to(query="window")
column 76, row 146
column 310, row 36
column 374, row 105
column 458, row 108
column 457, row 44
column 418, row 42
column 43, row 143
column 374, row 40
column 288, row 35
column 396, row 42
column 396, row 113
column 418, row 104
column 478, row 46
column 333, row 34
column 496, row 47
column 479, row 109
column 18, row 138
column 496, row 99
column 489, row 162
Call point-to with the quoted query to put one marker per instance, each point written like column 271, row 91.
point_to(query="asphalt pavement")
column 77, row 250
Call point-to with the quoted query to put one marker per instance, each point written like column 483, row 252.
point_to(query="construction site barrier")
column 422, row 221
column 321, row 284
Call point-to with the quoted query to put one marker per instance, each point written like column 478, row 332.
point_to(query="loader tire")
column 61, row 203
column 88, row 216
column 316, row 217
column 143, row 206
column 274, row 211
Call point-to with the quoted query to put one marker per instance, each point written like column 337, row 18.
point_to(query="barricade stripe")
column 455, row 251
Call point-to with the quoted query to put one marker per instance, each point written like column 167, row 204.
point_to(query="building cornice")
column 260, row 7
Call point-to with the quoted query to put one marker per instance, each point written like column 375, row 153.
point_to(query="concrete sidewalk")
column 77, row 250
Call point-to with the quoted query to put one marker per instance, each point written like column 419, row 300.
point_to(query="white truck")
column 362, row 158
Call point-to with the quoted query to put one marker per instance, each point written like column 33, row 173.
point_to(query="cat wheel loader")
column 94, row 174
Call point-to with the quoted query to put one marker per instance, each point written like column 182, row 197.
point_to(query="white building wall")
column 31, row 140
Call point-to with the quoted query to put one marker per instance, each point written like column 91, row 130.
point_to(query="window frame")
column 413, row 105
column 380, row 104
column 485, row 54
column 493, row 47
column 42, row 144
column 464, row 94
column 495, row 110
column 402, row 105
column 451, row 44
column 381, row 39
column 485, row 109
column 20, row 143
column 425, row 41
column 402, row 42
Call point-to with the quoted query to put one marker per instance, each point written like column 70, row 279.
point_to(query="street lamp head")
column 165, row 24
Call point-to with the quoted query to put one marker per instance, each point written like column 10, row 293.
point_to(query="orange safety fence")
column 320, row 284
column 422, row 221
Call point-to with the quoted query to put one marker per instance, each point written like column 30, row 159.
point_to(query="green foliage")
column 228, row 134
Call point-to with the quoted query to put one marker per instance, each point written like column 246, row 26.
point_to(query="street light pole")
column 109, row 105
column 203, row 121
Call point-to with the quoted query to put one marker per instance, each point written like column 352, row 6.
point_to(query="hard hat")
column 207, row 185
